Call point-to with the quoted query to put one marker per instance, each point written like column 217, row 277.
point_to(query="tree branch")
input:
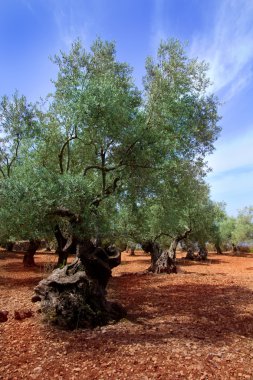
column 1, row 170
column 98, row 167
column 60, row 155
column 9, row 165
column 184, row 235
column 162, row 234
column 66, row 213
column 108, row 191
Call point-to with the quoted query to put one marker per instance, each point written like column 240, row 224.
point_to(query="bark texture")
column 218, row 249
column 28, row 259
column 190, row 254
column 9, row 246
column 75, row 296
column 155, row 251
column 64, row 247
column 164, row 261
column 202, row 254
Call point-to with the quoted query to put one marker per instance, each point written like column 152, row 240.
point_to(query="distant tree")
column 227, row 227
column 17, row 124
column 182, row 120
column 237, row 230
column 179, row 209
column 243, row 229
column 208, row 231
column 18, row 127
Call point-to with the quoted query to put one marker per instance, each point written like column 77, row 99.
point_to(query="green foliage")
column 17, row 125
column 178, row 105
column 129, row 166
column 227, row 227
column 238, row 230
column 243, row 229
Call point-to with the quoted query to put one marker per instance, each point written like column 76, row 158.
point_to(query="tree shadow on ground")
column 12, row 283
column 161, row 309
column 139, row 261
column 185, row 262
column 5, row 255
column 209, row 312
column 238, row 254
column 160, row 314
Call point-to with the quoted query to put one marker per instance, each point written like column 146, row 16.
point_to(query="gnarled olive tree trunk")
column 9, row 246
column 202, row 253
column 190, row 254
column 155, row 251
column 164, row 261
column 28, row 259
column 64, row 247
column 234, row 248
column 75, row 296
column 218, row 249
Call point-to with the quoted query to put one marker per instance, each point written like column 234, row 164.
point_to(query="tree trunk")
column 190, row 254
column 161, row 261
column 74, row 296
column 9, row 246
column 61, row 242
column 234, row 248
column 64, row 247
column 202, row 254
column 62, row 257
column 218, row 249
column 98, row 261
column 28, row 259
column 155, row 251
column 164, row 261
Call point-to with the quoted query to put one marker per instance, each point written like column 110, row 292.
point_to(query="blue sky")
column 219, row 31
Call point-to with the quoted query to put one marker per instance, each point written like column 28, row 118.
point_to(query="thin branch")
column 98, row 167
column 111, row 189
column 68, row 157
column 141, row 166
column 60, row 155
column 13, row 159
column 103, row 172
column 131, row 147
column 184, row 235
column 1, row 170
column 162, row 234
column 66, row 213
column 108, row 191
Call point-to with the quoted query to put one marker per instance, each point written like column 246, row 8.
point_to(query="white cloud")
column 158, row 29
column 228, row 47
column 232, row 177
column 232, row 183
column 235, row 189
column 232, row 154
column 70, row 20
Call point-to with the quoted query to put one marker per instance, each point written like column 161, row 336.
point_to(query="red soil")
column 197, row 324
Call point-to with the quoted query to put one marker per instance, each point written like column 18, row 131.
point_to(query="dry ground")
column 197, row 324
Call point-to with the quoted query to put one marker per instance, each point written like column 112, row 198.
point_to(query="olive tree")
column 105, row 153
column 18, row 128
column 239, row 229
